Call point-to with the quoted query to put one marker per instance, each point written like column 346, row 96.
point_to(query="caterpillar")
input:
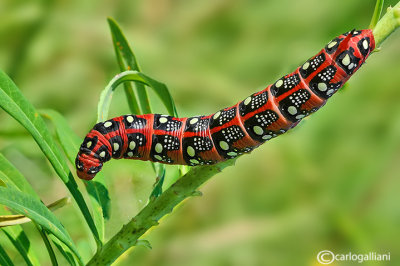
column 234, row 130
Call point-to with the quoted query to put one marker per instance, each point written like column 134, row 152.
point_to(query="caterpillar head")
column 87, row 166
column 351, row 49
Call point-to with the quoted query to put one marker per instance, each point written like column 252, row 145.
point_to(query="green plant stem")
column 149, row 216
column 387, row 24
column 377, row 13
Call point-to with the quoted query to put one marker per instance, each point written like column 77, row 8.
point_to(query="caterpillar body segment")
column 234, row 130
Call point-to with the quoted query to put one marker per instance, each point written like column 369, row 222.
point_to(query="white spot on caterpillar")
column 107, row 124
column 88, row 144
column 116, row 146
column 163, row 120
column 193, row 121
column 247, row 101
column 258, row 130
column 194, row 161
column 232, row 153
column 190, row 151
column 217, row 114
column 299, row 116
column 322, row 86
column 329, row 92
column 351, row 66
column 306, row 65
column 346, row 60
column 132, row 145
column 279, row 83
column 130, row 154
column 129, row 119
column 292, row 110
column 158, row 157
column 266, row 137
column 331, row 44
column 158, row 147
column 365, row 44
column 224, row 145
column 102, row 154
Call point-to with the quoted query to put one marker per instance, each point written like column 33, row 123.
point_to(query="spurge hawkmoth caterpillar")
column 234, row 130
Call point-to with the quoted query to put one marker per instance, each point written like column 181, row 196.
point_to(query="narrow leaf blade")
column 127, row 61
column 14, row 103
column 36, row 211
column 97, row 190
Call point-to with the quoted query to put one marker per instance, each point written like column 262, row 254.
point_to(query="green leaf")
column 16, row 179
column 159, row 88
column 64, row 251
column 47, row 243
column 7, row 220
column 4, row 258
column 34, row 209
column 157, row 190
column 127, row 61
column 14, row 103
column 97, row 190
column 21, row 242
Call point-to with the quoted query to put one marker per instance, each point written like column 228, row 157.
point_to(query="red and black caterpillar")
column 234, row 130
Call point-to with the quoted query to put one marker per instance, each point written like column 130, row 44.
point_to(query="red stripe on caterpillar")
column 234, row 130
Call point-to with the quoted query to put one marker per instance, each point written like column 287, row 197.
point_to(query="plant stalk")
column 149, row 216
column 387, row 24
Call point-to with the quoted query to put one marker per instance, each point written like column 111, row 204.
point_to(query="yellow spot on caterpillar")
column 258, row 130
column 130, row 154
column 331, row 44
column 190, row 151
column 88, row 144
column 116, row 146
column 158, row 147
column 247, row 101
column 365, row 44
column 194, row 161
column 322, row 86
column 232, row 153
column 267, row 137
column 224, row 145
column 102, row 154
column 193, row 121
column 129, row 119
column 346, row 60
column 107, row 124
column 158, row 157
column 217, row 114
column 163, row 120
column 306, row 65
column 279, row 83
column 292, row 110
column 132, row 145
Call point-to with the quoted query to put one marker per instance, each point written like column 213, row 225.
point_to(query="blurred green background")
column 331, row 183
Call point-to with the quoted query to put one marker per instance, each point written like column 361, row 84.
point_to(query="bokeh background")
column 331, row 183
